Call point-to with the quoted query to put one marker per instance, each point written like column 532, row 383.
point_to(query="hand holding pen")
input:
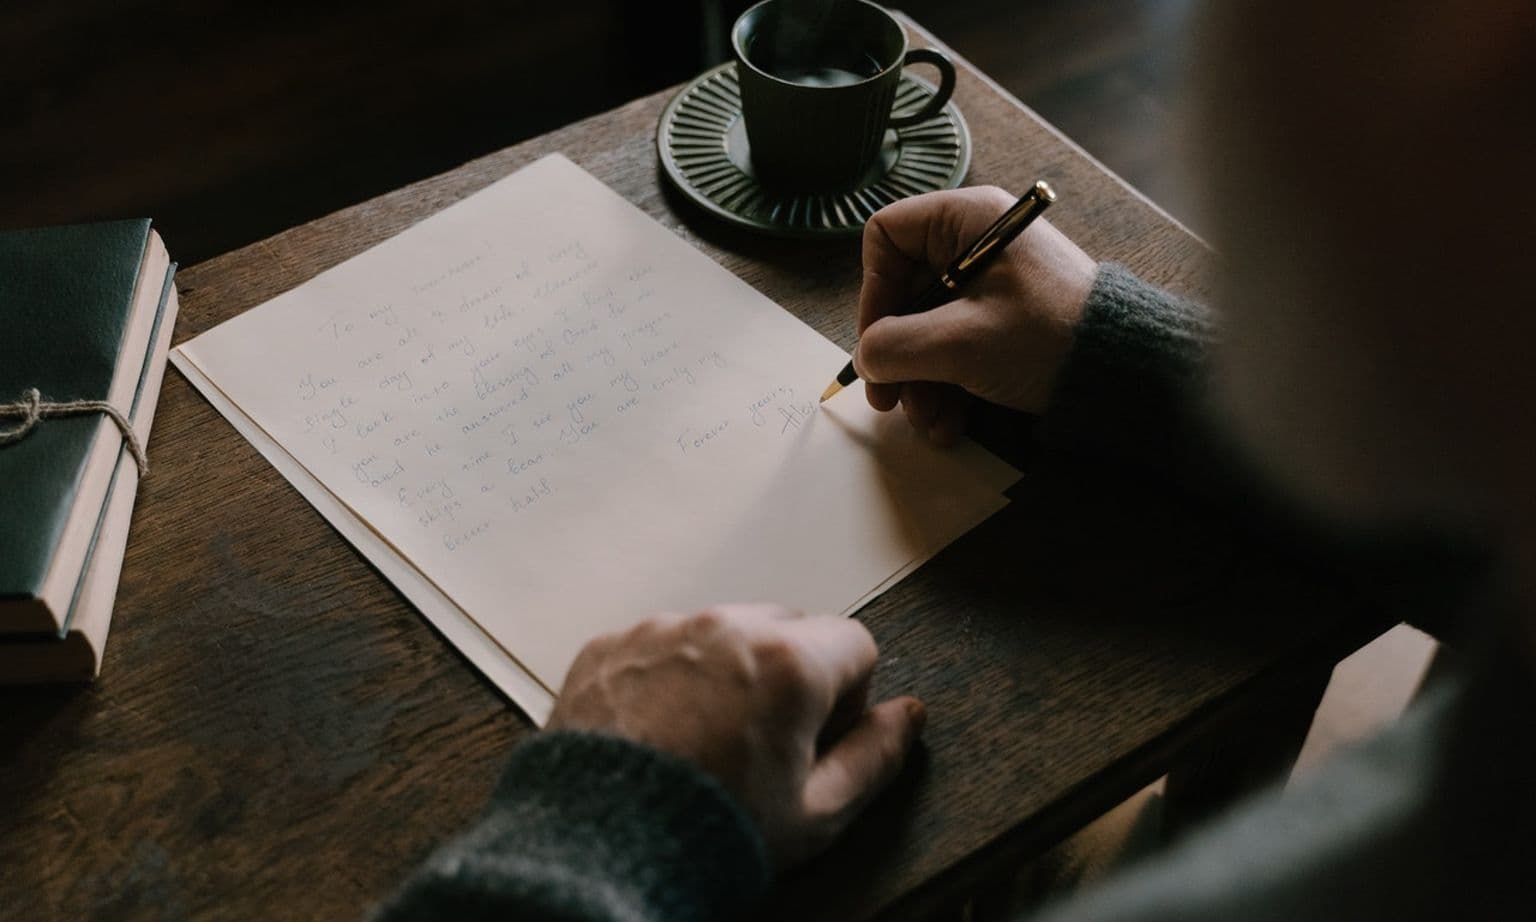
column 1001, row 336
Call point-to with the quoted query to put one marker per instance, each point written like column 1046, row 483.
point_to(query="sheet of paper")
column 560, row 417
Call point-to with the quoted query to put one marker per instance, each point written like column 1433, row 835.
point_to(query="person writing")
column 1374, row 360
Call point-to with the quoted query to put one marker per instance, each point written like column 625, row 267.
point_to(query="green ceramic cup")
column 818, row 79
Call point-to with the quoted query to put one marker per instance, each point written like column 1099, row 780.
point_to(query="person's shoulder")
column 1361, row 836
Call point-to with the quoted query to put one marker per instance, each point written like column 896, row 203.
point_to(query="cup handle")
column 946, row 86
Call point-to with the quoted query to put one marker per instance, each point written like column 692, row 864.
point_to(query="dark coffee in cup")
column 824, row 74
column 818, row 79
column 794, row 53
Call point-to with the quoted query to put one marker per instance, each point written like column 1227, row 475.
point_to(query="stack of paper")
column 543, row 416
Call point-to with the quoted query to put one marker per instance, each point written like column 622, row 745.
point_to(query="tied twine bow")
column 32, row 409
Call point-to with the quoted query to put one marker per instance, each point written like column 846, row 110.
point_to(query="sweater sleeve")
column 1135, row 390
column 1134, row 385
column 585, row 827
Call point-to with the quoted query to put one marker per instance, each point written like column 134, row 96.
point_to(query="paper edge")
column 525, row 691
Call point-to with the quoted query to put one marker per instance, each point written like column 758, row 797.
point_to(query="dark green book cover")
column 66, row 295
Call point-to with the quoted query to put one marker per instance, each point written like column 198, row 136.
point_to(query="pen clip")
column 1002, row 232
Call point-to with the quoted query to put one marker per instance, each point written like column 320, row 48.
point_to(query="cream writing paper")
column 544, row 416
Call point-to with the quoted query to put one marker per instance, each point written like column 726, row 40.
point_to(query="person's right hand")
column 1003, row 340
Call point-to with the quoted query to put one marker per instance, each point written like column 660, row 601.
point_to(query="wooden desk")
column 276, row 731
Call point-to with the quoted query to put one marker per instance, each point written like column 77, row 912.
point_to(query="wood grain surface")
column 276, row 731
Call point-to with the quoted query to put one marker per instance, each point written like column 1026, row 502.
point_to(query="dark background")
column 228, row 121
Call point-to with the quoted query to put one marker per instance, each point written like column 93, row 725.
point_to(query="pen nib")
column 832, row 388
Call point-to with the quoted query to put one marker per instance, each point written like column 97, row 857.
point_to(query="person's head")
column 1373, row 181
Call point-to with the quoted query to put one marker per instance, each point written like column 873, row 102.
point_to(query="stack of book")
column 86, row 314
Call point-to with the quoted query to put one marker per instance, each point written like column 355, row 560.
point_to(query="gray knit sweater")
column 1433, row 820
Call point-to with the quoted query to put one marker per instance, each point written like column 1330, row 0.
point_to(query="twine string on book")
column 32, row 409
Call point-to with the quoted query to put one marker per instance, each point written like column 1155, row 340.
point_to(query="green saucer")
column 703, row 146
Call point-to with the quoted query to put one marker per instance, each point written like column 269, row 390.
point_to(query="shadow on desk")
column 42, row 728
column 1153, row 593
column 52, row 712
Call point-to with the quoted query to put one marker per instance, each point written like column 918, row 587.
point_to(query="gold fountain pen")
column 970, row 264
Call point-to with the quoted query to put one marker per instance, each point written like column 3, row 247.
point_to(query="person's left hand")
column 770, row 702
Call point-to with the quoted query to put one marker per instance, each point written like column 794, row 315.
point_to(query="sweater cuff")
column 1134, row 380
column 587, row 826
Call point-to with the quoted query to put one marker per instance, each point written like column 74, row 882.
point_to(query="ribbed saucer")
column 702, row 141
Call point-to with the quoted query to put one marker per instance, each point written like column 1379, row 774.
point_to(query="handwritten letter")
column 565, row 418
